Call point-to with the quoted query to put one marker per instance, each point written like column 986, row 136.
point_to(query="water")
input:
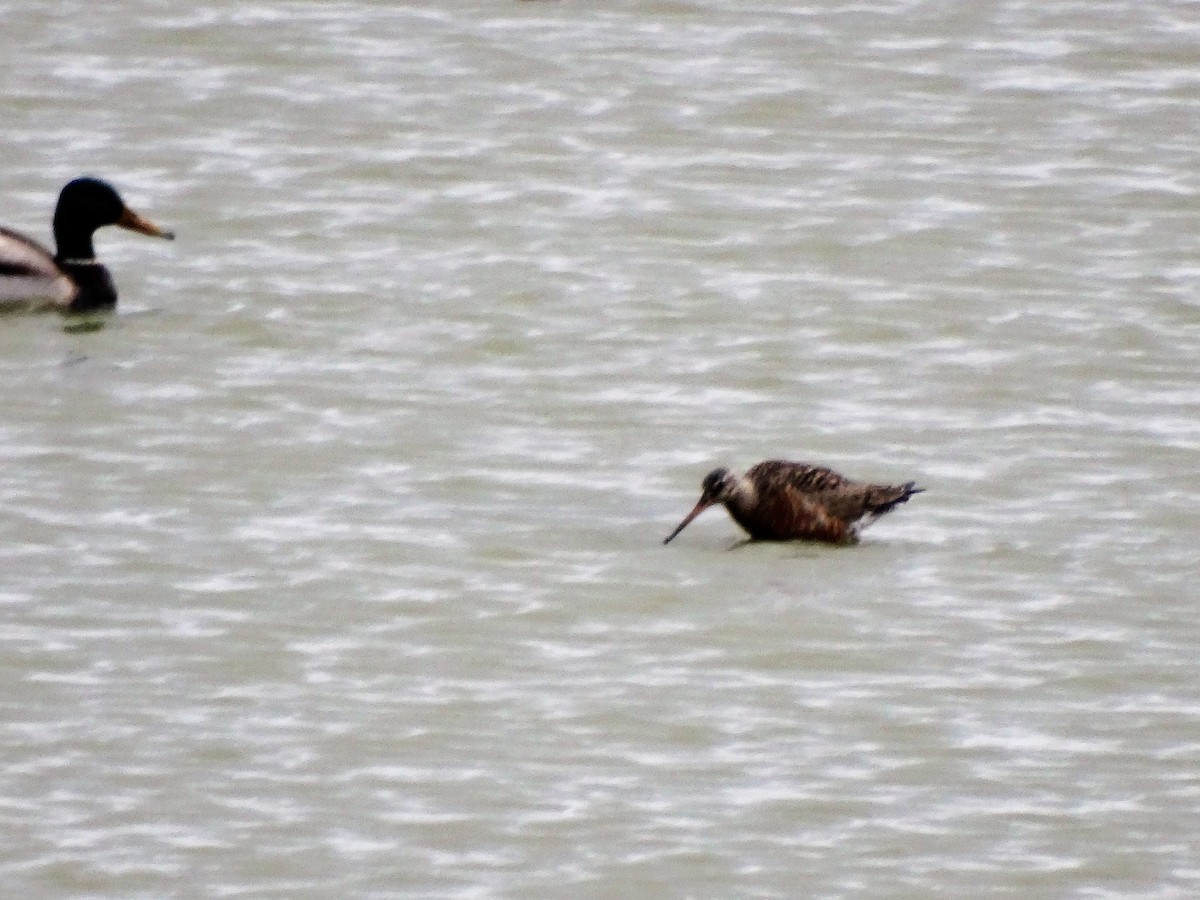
column 332, row 562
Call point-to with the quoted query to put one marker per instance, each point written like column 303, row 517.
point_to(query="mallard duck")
column 71, row 280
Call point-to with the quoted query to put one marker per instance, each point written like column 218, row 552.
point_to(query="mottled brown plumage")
column 779, row 500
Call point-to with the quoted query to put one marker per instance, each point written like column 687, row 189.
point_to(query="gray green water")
column 332, row 564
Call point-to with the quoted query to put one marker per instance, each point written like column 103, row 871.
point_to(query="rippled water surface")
column 332, row 562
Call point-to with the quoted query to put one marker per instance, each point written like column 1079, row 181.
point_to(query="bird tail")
column 897, row 496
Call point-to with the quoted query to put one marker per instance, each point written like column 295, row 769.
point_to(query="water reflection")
column 86, row 323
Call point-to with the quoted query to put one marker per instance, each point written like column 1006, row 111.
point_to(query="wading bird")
column 778, row 500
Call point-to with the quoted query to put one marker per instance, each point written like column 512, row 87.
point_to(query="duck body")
column 778, row 500
column 29, row 274
column 70, row 280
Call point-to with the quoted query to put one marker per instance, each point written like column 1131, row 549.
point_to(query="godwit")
column 71, row 280
column 779, row 500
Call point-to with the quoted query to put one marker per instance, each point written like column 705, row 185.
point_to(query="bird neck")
column 744, row 495
column 73, row 243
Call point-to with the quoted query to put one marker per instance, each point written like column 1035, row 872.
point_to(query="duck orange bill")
column 131, row 220
column 704, row 504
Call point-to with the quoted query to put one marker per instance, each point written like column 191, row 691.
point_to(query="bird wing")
column 778, row 475
column 28, row 272
column 821, row 493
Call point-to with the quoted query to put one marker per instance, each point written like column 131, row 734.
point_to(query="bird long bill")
column 131, row 220
column 700, row 507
